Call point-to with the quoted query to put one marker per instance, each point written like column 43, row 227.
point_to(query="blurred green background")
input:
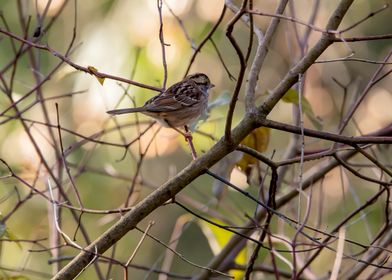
column 121, row 38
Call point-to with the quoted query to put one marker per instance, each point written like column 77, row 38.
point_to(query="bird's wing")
column 188, row 95
column 176, row 97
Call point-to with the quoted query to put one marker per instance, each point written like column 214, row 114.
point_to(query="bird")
column 179, row 105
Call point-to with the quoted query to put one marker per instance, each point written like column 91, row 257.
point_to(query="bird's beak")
column 212, row 85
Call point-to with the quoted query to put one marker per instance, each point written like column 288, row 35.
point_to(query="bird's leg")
column 187, row 134
column 188, row 138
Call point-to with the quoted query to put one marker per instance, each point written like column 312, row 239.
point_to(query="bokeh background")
column 121, row 38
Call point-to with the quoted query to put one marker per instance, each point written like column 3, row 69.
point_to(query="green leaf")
column 222, row 99
column 3, row 229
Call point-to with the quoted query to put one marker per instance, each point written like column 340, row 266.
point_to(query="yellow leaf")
column 258, row 140
column 6, row 232
column 94, row 71
column 217, row 239
column 291, row 96
column 13, row 237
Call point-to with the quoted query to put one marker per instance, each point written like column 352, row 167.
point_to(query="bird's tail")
column 125, row 111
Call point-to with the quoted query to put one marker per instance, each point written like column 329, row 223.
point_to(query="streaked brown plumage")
column 179, row 105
